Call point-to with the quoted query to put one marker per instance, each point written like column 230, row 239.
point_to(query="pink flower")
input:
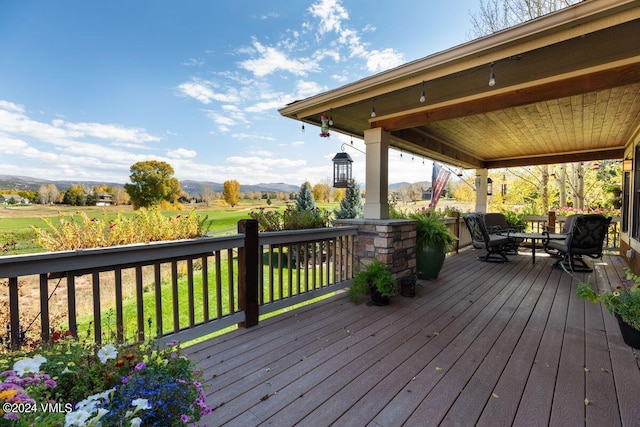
column 184, row 418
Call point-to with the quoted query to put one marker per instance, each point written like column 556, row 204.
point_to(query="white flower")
column 76, row 419
column 136, row 422
column 26, row 366
column 107, row 352
column 141, row 404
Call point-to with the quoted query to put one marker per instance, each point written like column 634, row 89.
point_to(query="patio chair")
column 497, row 246
column 496, row 223
column 583, row 236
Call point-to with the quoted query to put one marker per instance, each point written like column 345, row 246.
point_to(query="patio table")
column 533, row 237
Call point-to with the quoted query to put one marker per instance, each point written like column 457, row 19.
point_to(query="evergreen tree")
column 351, row 203
column 305, row 200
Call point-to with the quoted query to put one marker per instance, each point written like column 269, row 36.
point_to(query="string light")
column 302, row 127
column 422, row 96
column 492, row 77
column 373, row 108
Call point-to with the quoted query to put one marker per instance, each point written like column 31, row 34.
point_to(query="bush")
column 291, row 219
column 143, row 227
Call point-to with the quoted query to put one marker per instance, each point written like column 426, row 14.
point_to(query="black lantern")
column 342, row 170
column 489, row 186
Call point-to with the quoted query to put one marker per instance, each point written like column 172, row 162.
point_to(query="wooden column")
column 376, row 204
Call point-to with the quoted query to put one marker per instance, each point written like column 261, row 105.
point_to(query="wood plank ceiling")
column 567, row 89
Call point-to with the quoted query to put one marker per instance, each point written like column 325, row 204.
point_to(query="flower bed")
column 74, row 384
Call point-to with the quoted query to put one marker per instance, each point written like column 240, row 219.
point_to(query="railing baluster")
column 280, row 278
column 271, row 275
column 230, row 287
column 322, row 260
column 157, row 284
column 97, row 312
column 191, row 293
column 218, row 285
column 261, row 284
column 139, row 304
column 290, row 266
column 205, row 288
column 14, row 315
column 71, row 303
column 44, row 307
column 119, row 315
column 174, row 295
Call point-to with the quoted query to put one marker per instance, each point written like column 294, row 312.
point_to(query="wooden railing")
column 171, row 290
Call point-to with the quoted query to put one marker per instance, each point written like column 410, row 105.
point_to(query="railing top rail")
column 296, row 236
column 114, row 256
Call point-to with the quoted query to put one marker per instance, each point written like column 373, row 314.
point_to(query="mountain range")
column 25, row 183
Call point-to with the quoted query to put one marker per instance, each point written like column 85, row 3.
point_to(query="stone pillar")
column 376, row 204
column 390, row 241
column 481, row 190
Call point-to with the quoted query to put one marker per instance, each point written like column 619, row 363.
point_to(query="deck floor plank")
column 484, row 344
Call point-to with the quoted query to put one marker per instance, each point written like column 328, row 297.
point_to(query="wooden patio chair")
column 497, row 246
column 583, row 237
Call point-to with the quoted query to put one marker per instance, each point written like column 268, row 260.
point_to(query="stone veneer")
column 390, row 241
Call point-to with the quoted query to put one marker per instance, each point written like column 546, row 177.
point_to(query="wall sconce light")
column 342, row 170
column 627, row 165
column 489, row 186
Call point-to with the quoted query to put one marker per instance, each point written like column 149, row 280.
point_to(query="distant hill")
column 25, row 183
column 195, row 187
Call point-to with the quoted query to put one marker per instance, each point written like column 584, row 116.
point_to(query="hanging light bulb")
column 492, row 77
column 330, row 119
column 303, row 128
column 373, row 108
column 422, row 97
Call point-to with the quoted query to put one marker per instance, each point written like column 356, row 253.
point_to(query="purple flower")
column 184, row 418
column 124, row 380
column 11, row 416
column 50, row 383
column 140, row 366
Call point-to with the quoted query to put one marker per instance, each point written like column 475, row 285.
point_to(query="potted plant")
column 375, row 279
column 623, row 301
column 433, row 240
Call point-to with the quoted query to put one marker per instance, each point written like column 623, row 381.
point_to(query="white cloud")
column 262, row 163
column 242, row 136
column 107, row 131
column 331, row 13
column 193, row 62
column 182, row 153
column 203, row 91
column 383, row 60
column 10, row 106
column 270, row 60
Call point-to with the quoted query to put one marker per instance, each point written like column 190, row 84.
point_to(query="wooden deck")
column 485, row 344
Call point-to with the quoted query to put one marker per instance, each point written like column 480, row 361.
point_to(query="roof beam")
column 599, row 80
column 587, row 156
column 423, row 144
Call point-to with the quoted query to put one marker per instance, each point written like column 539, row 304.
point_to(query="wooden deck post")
column 551, row 223
column 248, row 272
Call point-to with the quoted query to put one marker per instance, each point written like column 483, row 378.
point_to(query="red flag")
column 437, row 187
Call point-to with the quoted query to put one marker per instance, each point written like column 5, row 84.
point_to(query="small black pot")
column 377, row 298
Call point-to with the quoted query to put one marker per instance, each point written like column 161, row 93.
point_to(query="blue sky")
column 88, row 88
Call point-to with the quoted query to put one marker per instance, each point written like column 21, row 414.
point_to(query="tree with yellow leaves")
column 231, row 192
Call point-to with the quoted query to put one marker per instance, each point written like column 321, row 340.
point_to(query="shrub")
column 143, row 227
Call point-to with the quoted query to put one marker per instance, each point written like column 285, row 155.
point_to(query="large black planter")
column 630, row 335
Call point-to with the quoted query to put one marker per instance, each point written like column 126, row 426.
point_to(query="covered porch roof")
column 567, row 89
